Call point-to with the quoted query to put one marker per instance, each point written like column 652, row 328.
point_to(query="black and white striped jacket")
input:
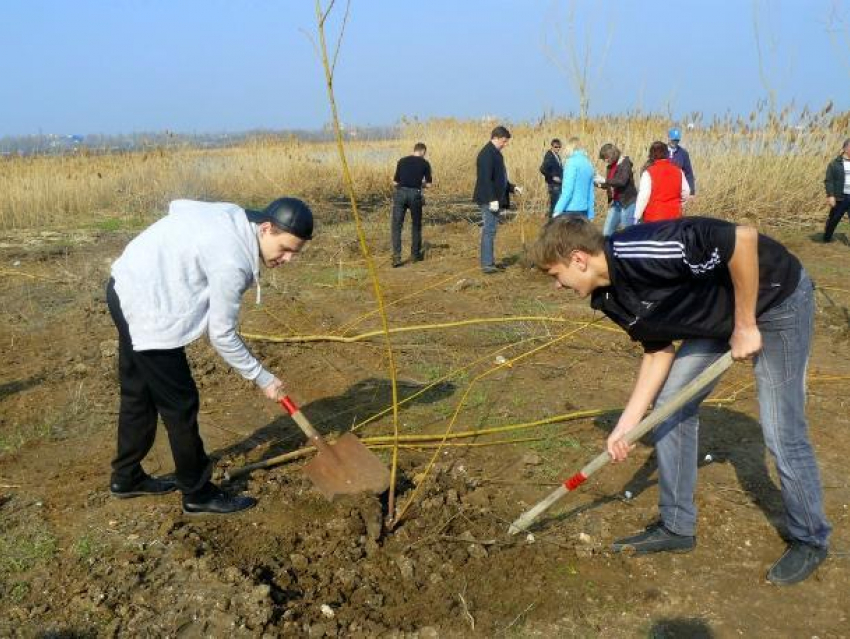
column 670, row 280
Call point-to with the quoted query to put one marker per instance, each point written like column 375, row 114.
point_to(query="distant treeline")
column 61, row 144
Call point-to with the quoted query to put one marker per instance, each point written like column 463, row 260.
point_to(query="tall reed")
column 767, row 168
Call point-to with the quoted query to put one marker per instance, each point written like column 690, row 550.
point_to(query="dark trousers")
column 156, row 382
column 554, row 194
column 403, row 199
column 835, row 214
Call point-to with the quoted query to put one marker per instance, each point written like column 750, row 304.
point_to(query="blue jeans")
column 619, row 215
column 488, row 235
column 780, row 371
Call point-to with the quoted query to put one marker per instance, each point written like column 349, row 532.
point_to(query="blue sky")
column 120, row 66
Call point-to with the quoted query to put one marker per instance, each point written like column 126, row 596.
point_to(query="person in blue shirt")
column 577, row 184
column 679, row 156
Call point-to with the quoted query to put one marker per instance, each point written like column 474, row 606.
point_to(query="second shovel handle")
column 303, row 423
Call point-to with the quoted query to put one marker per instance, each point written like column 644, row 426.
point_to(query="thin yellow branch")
column 286, row 339
column 414, row 439
column 361, row 236
column 342, row 330
column 469, row 387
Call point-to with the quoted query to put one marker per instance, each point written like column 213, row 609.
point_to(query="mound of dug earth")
column 299, row 566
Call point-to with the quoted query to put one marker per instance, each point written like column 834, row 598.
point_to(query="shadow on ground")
column 8, row 389
column 336, row 414
column 836, row 237
column 680, row 629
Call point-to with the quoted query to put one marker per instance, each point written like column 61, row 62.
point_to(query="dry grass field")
column 764, row 169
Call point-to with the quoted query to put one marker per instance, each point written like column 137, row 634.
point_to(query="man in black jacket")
column 553, row 170
column 837, row 183
column 713, row 285
column 492, row 193
column 412, row 174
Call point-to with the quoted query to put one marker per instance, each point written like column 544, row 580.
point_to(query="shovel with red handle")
column 345, row 467
column 657, row 416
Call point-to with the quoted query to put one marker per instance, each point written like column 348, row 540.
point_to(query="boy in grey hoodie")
column 180, row 278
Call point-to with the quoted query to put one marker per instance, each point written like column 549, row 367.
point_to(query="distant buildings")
column 61, row 144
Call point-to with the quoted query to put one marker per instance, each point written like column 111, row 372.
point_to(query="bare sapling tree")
column 764, row 77
column 571, row 52
column 329, row 66
column 836, row 29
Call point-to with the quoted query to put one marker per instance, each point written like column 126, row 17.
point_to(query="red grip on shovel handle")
column 575, row 481
column 302, row 421
column 288, row 404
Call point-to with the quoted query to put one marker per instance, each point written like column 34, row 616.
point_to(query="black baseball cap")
column 288, row 214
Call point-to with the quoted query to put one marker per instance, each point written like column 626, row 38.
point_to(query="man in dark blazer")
column 837, row 183
column 492, row 193
column 552, row 170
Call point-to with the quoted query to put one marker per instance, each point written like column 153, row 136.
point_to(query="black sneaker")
column 397, row 262
column 143, row 488
column 418, row 257
column 656, row 538
column 490, row 270
column 799, row 561
column 212, row 500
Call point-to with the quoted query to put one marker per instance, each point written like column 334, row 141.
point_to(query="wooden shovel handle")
column 685, row 394
column 303, row 423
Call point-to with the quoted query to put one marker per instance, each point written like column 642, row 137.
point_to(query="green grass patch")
column 477, row 397
column 50, row 427
column 555, row 444
column 111, row 224
column 429, row 371
column 116, row 223
column 443, row 410
column 532, row 306
column 88, row 547
column 18, row 591
column 334, row 276
column 20, row 434
column 24, row 547
column 509, row 333
column 556, row 450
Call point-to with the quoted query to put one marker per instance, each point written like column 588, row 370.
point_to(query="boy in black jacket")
column 713, row 285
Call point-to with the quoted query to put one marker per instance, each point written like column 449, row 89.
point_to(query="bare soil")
column 75, row 562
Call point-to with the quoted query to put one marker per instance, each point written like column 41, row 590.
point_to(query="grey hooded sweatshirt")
column 185, row 275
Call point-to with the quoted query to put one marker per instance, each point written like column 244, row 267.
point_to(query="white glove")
column 518, row 190
column 274, row 390
column 494, row 206
column 598, row 179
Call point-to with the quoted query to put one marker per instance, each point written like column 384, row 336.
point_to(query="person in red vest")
column 663, row 188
